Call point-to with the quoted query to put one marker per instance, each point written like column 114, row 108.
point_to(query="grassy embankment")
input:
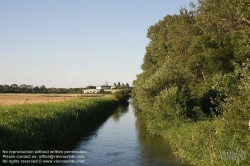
column 203, row 143
column 52, row 126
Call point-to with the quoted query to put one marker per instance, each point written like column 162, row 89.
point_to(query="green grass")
column 52, row 126
column 203, row 142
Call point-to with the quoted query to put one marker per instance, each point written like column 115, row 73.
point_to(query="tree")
column 121, row 95
column 101, row 91
column 118, row 84
column 223, row 35
column 23, row 86
column 114, row 84
column 36, row 89
column 187, row 50
column 14, row 85
column 6, row 88
column 43, row 89
column 13, row 88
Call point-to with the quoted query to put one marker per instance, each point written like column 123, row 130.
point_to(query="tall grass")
column 51, row 125
column 204, row 142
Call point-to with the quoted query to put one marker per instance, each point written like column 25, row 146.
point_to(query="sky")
column 76, row 43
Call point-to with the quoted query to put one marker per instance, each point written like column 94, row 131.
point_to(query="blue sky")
column 75, row 43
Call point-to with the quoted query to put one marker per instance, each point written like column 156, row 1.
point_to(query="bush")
column 121, row 95
column 165, row 105
column 101, row 91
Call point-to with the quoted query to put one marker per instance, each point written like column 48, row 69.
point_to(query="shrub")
column 121, row 95
column 165, row 105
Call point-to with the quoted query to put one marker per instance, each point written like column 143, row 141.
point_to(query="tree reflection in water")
column 120, row 111
column 160, row 151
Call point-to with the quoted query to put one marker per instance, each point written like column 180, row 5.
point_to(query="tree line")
column 121, row 85
column 193, row 58
column 23, row 88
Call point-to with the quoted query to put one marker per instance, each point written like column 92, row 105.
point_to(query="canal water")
column 123, row 140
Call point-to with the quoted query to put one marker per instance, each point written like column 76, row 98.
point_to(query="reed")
column 51, row 125
column 205, row 142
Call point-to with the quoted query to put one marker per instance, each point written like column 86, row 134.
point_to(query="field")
column 13, row 99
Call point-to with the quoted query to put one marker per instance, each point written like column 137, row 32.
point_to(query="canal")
column 123, row 140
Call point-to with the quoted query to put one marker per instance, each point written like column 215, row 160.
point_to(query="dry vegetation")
column 12, row 99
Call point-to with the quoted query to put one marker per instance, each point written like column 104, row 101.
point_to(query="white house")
column 103, row 87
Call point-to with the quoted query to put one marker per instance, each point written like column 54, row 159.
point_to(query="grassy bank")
column 51, row 125
column 205, row 142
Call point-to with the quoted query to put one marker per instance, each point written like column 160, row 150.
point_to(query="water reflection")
column 121, row 110
column 123, row 140
column 154, row 147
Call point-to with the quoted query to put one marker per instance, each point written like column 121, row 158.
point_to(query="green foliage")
column 196, row 73
column 121, row 95
column 195, row 50
column 101, row 91
column 166, row 106
column 210, row 102
column 14, row 88
column 237, row 106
